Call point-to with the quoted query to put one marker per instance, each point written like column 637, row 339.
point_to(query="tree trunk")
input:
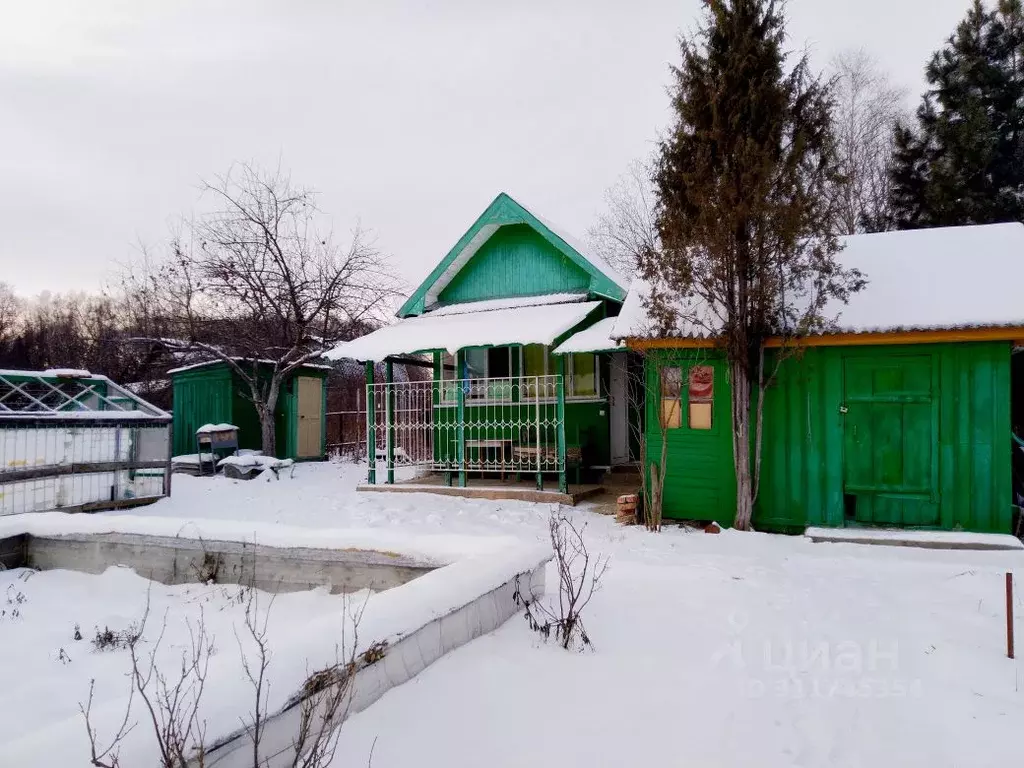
column 739, row 383
column 266, row 411
column 268, row 432
column 654, row 513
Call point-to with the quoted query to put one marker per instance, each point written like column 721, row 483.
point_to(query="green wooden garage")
column 902, row 416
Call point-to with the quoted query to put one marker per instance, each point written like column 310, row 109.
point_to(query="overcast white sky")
column 408, row 115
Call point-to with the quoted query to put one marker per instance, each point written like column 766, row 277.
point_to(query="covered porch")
column 527, row 401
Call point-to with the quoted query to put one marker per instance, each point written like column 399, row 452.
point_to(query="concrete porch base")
column 920, row 539
column 491, row 490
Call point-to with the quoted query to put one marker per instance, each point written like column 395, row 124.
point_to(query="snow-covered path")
column 728, row 650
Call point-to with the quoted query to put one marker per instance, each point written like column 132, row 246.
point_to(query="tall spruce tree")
column 743, row 212
column 963, row 161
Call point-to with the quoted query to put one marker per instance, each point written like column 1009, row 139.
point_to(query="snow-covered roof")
column 222, row 427
column 512, row 325
column 950, row 277
column 508, row 303
column 596, row 338
column 241, row 360
column 696, row 320
column 924, row 279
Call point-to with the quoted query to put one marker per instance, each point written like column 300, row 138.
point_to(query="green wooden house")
column 900, row 417
column 514, row 322
column 213, row 393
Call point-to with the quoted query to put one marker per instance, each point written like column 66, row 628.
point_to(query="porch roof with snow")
column 596, row 338
column 530, row 320
column 513, row 278
column 963, row 279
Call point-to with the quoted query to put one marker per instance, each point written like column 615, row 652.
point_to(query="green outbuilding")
column 905, row 415
column 214, row 393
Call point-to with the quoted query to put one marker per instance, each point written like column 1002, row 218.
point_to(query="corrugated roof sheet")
column 926, row 279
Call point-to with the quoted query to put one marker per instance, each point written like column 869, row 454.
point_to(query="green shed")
column 902, row 417
column 213, row 393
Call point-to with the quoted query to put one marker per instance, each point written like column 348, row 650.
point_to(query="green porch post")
column 460, row 395
column 563, row 484
column 441, row 457
column 371, row 437
column 389, row 377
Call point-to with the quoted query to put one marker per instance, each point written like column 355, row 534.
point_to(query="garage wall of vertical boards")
column 912, row 436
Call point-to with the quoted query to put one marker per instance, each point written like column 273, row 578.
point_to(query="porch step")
column 575, row 495
column 920, row 539
column 618, row 469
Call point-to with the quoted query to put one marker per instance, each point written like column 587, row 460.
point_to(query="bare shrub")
column 16, row 599
column 579, row 577
column 171, row 698
column 107, row 639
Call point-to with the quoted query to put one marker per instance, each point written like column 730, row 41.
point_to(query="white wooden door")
column 310, row 408
column 618, row 408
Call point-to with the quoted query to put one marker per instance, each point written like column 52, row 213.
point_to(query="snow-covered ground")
column 48, row 667
column 711, row 650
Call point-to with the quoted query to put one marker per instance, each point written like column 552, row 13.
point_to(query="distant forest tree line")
column 256, row 281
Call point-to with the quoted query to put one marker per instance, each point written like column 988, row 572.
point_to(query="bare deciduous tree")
column 867, row 108
column 260, row 284
column 628, row 228
column 10, row 311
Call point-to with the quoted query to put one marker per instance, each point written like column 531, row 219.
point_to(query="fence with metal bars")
column 483, row 426
column 77, row 442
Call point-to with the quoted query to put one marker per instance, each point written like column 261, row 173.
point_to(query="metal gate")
column 478, row 425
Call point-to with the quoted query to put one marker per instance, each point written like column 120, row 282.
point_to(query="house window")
column 448, row 375
column 481, row 365
column 583, row 373
column 534, row 364
column 534, row 358
column 581, row 378
column 671, row 416
column 700, row 393
column 499, row 362
column 474, row 365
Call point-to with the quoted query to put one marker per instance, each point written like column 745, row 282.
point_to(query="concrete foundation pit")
column 176, row 560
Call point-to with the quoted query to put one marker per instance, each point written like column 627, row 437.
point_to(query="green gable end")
column 515, row 261
column 509, row 252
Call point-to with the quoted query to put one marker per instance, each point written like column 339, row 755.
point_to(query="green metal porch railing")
column 469, row 427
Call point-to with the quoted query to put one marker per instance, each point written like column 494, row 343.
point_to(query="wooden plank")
column 371, row 433
column 61, row 470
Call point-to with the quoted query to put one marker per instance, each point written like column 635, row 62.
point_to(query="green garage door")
column 891, row 441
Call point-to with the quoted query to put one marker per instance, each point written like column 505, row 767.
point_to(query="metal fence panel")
column 80, row 465
column 486, row 425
